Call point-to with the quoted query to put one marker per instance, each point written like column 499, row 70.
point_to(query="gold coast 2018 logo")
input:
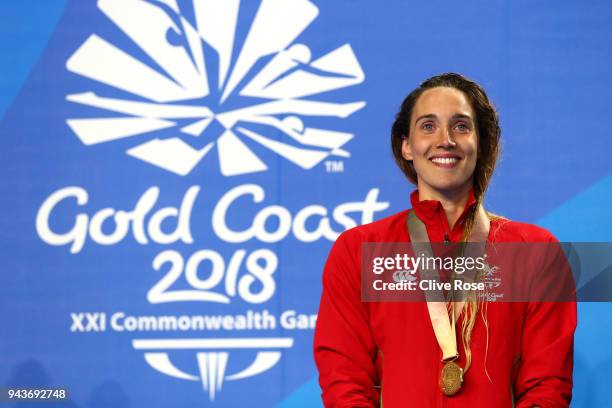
column 247, row 276
column 172, row 81
column 191, row 76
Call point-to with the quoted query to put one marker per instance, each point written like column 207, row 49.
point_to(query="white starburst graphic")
column 173, row 90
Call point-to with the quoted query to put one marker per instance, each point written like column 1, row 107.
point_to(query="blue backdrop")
column 176, row 171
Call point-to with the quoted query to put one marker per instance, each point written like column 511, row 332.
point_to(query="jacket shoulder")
column 389, row 229
column 503, row 229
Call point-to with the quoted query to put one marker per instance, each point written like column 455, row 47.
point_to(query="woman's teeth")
column 445, row 160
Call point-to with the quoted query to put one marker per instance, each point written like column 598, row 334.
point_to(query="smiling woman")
column 445, row 139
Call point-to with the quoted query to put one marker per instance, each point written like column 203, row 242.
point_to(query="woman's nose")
column 446, row 139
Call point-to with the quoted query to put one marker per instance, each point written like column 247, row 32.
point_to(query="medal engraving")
column 451, row 378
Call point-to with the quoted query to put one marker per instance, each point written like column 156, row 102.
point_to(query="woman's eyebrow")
column 428, row 116
column 454, row 117
column 461, row 116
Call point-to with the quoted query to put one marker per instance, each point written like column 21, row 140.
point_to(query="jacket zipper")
column 443, row 227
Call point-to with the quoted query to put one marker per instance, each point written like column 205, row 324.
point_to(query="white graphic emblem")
column 189, row 78
column 212, row 358
column 492, row 281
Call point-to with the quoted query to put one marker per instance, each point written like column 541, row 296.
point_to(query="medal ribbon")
column 443, row 326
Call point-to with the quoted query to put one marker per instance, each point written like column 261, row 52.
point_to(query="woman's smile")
column 445, row 161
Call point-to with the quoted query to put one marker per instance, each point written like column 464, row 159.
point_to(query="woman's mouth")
column 447, row 162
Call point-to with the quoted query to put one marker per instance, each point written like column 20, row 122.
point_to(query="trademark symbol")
column 334, row 166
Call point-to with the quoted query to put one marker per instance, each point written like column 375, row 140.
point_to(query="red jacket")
column 365, row 350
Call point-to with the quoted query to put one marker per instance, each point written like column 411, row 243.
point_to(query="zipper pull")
column 446, row 239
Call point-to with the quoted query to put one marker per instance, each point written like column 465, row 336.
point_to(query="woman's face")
column 443, row 142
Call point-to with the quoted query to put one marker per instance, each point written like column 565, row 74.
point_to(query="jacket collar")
column 431, row 211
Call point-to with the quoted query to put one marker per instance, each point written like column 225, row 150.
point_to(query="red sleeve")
column 344, row 348
column 544, row 376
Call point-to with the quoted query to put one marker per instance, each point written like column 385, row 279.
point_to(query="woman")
column 445, row 139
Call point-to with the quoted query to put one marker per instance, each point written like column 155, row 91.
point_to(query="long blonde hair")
column 472, row 301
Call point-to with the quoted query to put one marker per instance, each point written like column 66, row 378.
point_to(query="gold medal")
column 451, row 377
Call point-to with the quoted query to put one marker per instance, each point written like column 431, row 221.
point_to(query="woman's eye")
column 462, row 127
column 427, row 127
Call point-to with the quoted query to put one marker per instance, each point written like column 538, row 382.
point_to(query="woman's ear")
column 406, row 149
